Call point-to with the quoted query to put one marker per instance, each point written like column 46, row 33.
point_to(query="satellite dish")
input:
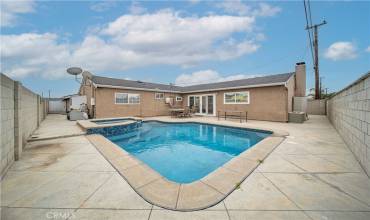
column 74, row 71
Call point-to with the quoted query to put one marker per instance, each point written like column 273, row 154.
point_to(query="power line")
column 309, row 12
column 310, row 16
column 308, row 30
column 315, row 42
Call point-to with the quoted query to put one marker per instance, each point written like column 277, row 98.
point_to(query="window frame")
column 158, row 93
column 237, row 103
column 128, row 98
column 179, row 99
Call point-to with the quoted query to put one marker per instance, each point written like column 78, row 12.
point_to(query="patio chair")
column 187, row 112
column 194, row 109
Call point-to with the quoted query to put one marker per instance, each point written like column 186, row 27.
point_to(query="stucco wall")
column 21, row 113
column 266, row 103
column 149, row 106
column 7, row 123
column 349, row 112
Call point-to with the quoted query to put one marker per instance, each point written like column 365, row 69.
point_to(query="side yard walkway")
column 311, row 175
column 56, row 125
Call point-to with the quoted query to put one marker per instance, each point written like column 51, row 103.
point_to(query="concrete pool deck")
column 200, row 194
column 310, row 175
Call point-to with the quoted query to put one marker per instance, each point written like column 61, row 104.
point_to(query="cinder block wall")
column 21, row 113
column 29, row 103
column 349, row 112
column 7, row 123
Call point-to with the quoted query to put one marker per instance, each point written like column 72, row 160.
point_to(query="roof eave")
column 192, row 91
column 134, row 88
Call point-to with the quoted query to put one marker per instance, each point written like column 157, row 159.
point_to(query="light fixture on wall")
column 75, row 71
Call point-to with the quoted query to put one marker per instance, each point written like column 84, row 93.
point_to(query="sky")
column 181, row 42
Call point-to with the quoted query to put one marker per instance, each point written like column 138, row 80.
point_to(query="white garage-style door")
column 57, row 106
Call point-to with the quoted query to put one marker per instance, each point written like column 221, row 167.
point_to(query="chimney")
column 300, row 79
column 87, row 74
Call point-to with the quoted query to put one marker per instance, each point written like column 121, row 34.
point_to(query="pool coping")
column 200, row 194
column 89, row 124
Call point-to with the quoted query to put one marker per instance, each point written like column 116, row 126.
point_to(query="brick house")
column 265, row 98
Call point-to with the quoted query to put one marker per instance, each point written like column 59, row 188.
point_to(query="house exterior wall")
column 266, row 103
column 349, row 113
column 149, row 106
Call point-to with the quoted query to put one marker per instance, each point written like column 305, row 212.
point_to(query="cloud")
column 10, row 11
column 207, row 76
column 240, row 8
column 341, row 50
column 368, row 49
column 136, row 8
column 266, row 10
column 234, row 7
column 34, row 54
column 103, row 5
column 133, row 40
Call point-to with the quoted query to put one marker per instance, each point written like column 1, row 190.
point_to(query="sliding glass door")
column 194, row 103
column 203, row 104
column 210, row 102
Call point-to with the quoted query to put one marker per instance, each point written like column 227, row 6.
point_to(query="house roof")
column 68, row 96
column 250, row 82
column 133, row 84
column 270, row 80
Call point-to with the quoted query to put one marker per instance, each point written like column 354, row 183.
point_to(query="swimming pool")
column 186, row 152
column 112, row 121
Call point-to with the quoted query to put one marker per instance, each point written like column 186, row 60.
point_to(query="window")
column 127, row 98
column 236, row 98
column 159, row 95
column 134, row 98
column 121, row 98
column 178, row 98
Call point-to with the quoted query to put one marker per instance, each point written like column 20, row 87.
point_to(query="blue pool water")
column 185, row 152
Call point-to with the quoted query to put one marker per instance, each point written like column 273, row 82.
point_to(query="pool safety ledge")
column 201, row 194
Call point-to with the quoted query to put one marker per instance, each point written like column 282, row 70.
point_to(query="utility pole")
column 320, row 90
column 316, row 59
